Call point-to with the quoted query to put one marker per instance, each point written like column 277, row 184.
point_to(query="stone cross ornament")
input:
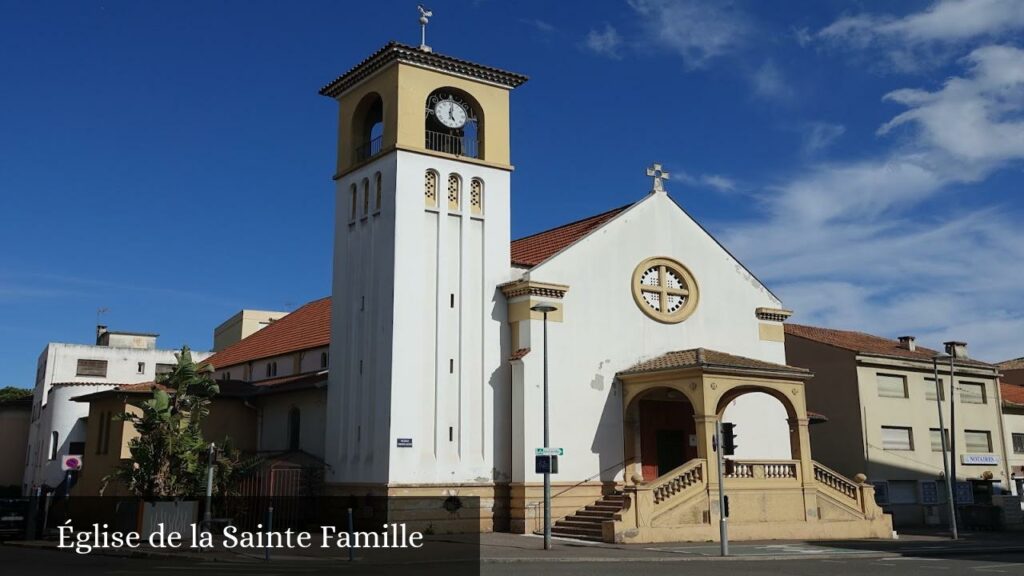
column 659, row 176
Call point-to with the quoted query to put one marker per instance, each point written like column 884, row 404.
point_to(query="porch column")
column 800, row 441
column 631, row 441
column 705, row 438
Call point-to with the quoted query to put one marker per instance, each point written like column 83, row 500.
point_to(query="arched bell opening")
column 368, row 127
column 454, row 123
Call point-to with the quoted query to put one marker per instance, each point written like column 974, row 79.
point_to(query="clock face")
column 450, row 113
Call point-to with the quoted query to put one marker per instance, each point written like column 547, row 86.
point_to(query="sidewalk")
column 515, row 548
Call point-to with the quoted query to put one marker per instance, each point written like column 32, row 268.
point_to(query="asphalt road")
column 997, row 564
column 17, row 561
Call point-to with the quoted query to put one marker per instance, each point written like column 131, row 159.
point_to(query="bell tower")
column 418, row 344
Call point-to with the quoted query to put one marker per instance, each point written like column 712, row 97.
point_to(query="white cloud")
column 718, row 182
column 541, row 25
column 820, row 135
column 696, row 31
column 769, row 83
column 977, row 118
column 606, row 42
column 923, row 38
column 851, row 244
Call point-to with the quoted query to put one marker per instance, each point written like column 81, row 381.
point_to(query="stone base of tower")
column 435, row 508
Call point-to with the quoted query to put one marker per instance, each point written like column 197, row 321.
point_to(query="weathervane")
column 659, row 175
column 425, row 15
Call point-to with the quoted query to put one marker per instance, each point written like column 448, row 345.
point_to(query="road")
column 996, row 564
column 18, row 561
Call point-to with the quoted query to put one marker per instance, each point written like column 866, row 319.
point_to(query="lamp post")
column 942, row 437
column 953, row 349
column 545, row 309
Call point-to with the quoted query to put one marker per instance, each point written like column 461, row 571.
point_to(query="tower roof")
column 395, row 51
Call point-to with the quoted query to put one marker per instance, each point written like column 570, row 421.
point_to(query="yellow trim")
column 691, row 292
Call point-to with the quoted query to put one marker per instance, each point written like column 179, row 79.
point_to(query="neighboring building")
column 107, row 437
column 655, row 331
column 15, row 416
column 1013, row 371
column 1013, row 424
column 285, row 364
column 63, row 371
column 879, row 397
column 242, row 325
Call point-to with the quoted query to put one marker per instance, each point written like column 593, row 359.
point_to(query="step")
column 598, row 507
column 597, row 515
column 580, row 537
column 577, row 531
column 570, row 523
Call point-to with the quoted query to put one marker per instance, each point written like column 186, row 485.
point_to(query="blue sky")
column 171, row 161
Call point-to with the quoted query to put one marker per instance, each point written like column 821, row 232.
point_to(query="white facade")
column 604, row 332
column 58, row 379
column 419, row 339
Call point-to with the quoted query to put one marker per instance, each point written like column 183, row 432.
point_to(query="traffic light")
column 728, row 438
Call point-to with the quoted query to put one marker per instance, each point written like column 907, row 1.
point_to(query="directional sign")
column 550, row 452
column 546, row 464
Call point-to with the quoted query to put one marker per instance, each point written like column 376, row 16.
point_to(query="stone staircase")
column 585, row 524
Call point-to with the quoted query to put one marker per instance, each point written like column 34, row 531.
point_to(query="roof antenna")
column 425, row 14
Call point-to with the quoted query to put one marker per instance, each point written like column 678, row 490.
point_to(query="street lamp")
column 942, row 437
column 545, row 309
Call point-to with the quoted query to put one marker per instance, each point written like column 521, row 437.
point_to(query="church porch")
column 671, row 407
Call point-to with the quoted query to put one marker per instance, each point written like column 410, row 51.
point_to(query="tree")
column 10, row 393
column 168, row 457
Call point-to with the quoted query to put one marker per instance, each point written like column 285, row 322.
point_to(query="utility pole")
column 208, row 514
column 545, row 309
column 945, row 461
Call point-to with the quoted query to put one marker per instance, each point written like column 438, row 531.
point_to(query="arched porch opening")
column 661, row 433
column 764, row 421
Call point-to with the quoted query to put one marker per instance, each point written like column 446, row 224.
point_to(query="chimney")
column 956, row 349
column 908, row 343
column 101, row 330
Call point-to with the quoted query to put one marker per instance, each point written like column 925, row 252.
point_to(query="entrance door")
column 671, row 450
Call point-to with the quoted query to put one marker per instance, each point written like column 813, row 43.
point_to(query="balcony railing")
column 452, row 144
column 369, row 149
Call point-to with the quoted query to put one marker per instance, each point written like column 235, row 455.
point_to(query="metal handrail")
column 369, row 149
column 456, row 144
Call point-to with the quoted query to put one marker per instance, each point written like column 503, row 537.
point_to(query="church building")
column 657, row 332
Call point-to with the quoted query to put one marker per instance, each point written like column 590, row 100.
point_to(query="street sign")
column 71, row 462
column 404, row 443
column 982, row 459
column 550, row 452
column 546, row 464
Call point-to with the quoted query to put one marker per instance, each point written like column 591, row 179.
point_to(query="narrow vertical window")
column 454, row 190
column 294, row 428
column 366, row 196
column 54, row 444
column 430, row 189
column 323, row 359
column 377, row 186
column 354, row 194
column 476, row 196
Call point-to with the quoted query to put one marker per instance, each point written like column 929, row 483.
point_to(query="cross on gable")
column 659, row 176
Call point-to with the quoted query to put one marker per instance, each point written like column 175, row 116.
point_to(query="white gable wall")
column 604, row 332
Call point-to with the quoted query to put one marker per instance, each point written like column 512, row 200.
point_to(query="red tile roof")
column 307, row 327
column 703, row 357
column 1015, row 364
column 532, row 250
column 1012, row 394
column 865, row 343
